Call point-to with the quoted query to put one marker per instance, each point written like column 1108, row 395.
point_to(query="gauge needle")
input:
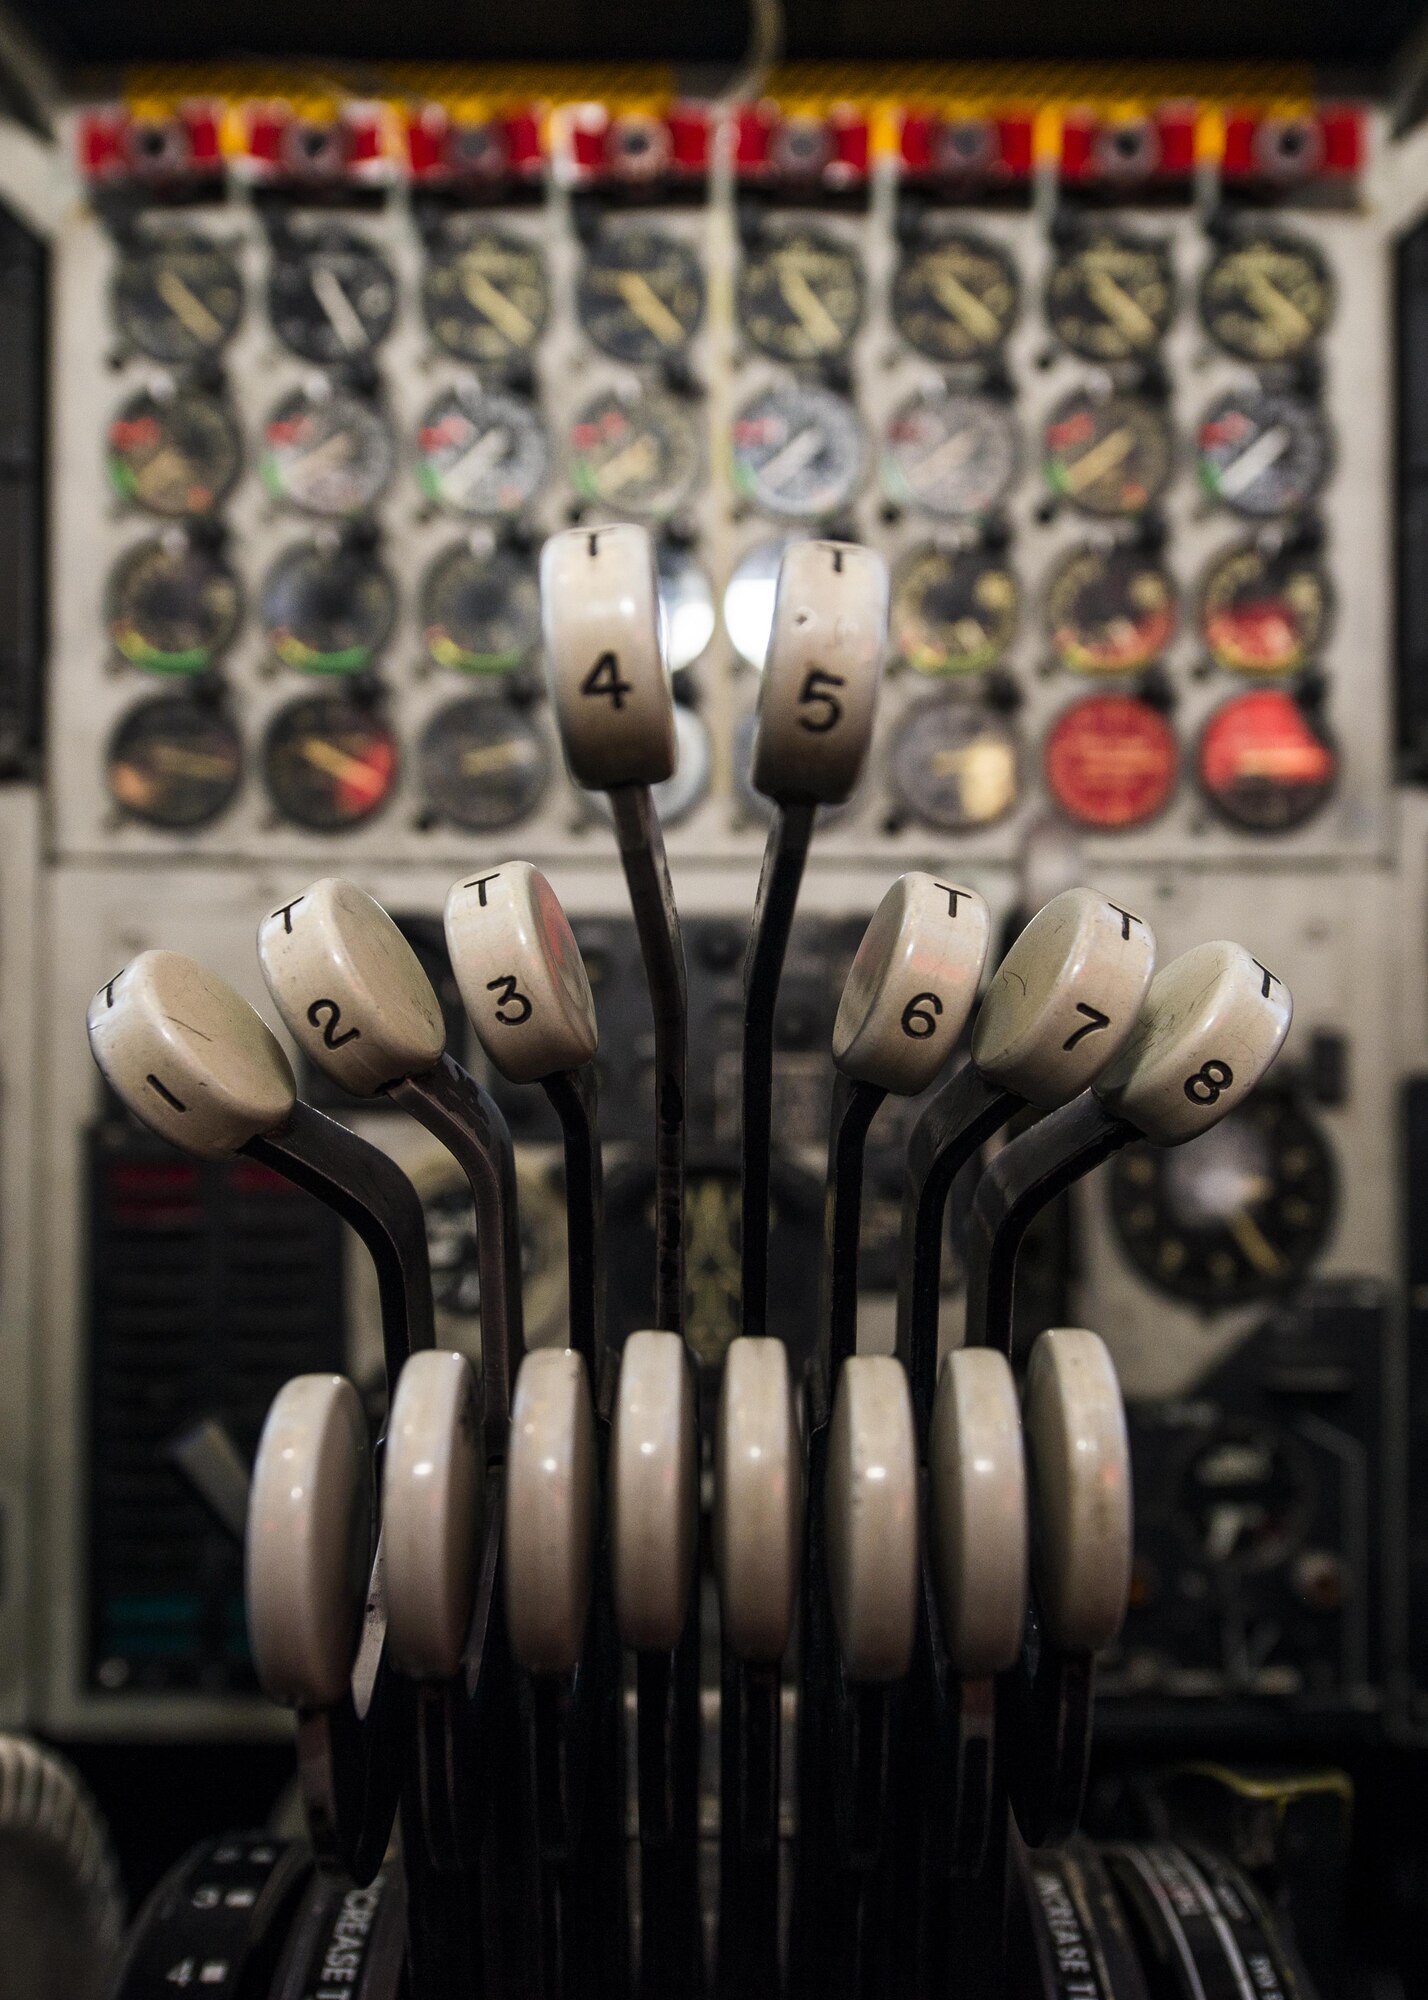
column 1118, row 305
column 649, row 308
column 189, row 763
column 1266, row 451
column 800, row 451
column 1100, row 459
column 337, row 764
column 639, row 460
column 818, row 323
column 341, row 313
column 963, row 304
column 504, row 314
column 1254, row 1244
column 477, row 461
column 1288, row 315
column 952, row 453
column 164, row 466
column 496, row 757
column 335, row 450
column 187, row 306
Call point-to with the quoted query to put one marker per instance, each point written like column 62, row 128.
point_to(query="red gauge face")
column 1112, row 762
column 1264, row 613
column 1110, row 611
column 1263, row 764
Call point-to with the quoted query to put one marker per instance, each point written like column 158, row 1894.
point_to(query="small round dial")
column 686, row 604
column 1110, row 611
column 174, row 455
column 637, row 457
column 480, row 613
column 676, row 797
column 484, row 293
column 749, row 602
column 1265, row 610
column 640, row 295
column 328, row 454
column 483, row 764
column 1110, row 455
column 481, row 453
column 1245, row 1500
column 1263, row 452
column 172, row 606
column 1111, row 297
column 798, row 451
column 1238, row 1216
column 331, row 295
column 174, row 763
column 178, row 298
column 953, row 456
column 956, row 300
column 801, row 296
column 1264, row 764
column 327, row 609
column 955, row 765
column 953, row 611
column 329, row 763
column 1267, row 297
column 1111, row 762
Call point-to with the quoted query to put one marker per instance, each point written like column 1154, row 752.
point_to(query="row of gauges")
column 801, row 295
column 330, row 762
column 797, row 450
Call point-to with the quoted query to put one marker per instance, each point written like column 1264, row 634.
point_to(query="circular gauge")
column 953, row 612
column 327, row 610
column 955, row 765
column 801, row 296
column 1111, row 297
column 1263, row 764
column 1263, row 452
column 1267, row 297
column 955, row 456
column 484, row 293
column 1244, row 1503
column 174, row 455
column 1110, row 611
column 480, row 613
column 174, row 763
column 686, row 604
column 1264, row 611
column 329, row 762
column 955, row 300
column 178, row 298
column 1112, row 762
column 635, row 457
column 798, row 451
column 641, row 295
column 1108, row 455
column 676, row 797
column 1235, row 1217
column 331, row 295
column 749, row 602
column 171, row 607
column 483, row 764
column 326, row 454
column 481, row 453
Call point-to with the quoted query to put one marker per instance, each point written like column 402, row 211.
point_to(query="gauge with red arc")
column 1112, row 762
column 1264, row 763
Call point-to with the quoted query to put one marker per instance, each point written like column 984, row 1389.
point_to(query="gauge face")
column 1112, row 762
column 174, row 763
column 640, row 296
column 1265, row 611
column 676, row 797
column 485, row 294
column 956, row 300
column 480, row 613
column 1267, row 297
column 1108, row 456
column 174, row 455
column 639, row 458
column 954, row 456
column 330, row 455
column 801, row 296
column 1238, row 1218
column 1110, row 611
column 178, row 299
column 953, row 612
column 1245, row 1500
column 327, row 610
column 749, row 602
column 171, row 607
column 329, row 763
column 955, row 764
column 331, row 295
column 483, row 764
column 481, row 454
column 1262, row 452
column 1111, row 297
column 686, row 603
column 1263, row 764
column 798, row 451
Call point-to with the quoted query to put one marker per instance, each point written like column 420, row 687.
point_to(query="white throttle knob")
column 654, row 1476
column 977, row 1510
column 600, row 616
column 758, row 1499
column 870, row 1512
column 1078, row 1458
column 520, row 972
column 911, row 984
column 550, row 1511
column 432, row 1497
column 819, row 689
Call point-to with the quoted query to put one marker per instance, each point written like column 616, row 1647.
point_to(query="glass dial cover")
column 174, row 763
column 1263, row 610
column 327, row 609
column 481, row 453
column 640, row 295
column 798, row 451
column 1110, row 456
column 955, row 764
column 953, row 611
column 1111, row 297
column 483, row 763
column 952, row 456
column 485, row 294
column 172, row 605
column 956, row 300
column 480, row 612
column 174, row 455
column 1267, row 297
column 801, row 295
column 1263, row 452
column 178, row 298
column 332, row 296
column 329, row 454
column 638, row 457
column 1110, row 611
column 329, row 763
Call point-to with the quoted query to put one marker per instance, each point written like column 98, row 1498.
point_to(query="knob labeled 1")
column 820, row 682
column 911, row 984
column 600, row 618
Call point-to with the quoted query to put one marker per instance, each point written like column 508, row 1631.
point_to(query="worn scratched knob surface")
column 308, row 1547
column 654, row 1474
column 521, row 975
column 550, row 1519
column 758, row 1499
column 819, row 689
column 189, row 1056
column 1064, row 999
column 350, row 988
column 911, row 984
column 1078, row 1460
column 977, row 1510
column 600, row 618
column 432, row 1493
column 870, row 1513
